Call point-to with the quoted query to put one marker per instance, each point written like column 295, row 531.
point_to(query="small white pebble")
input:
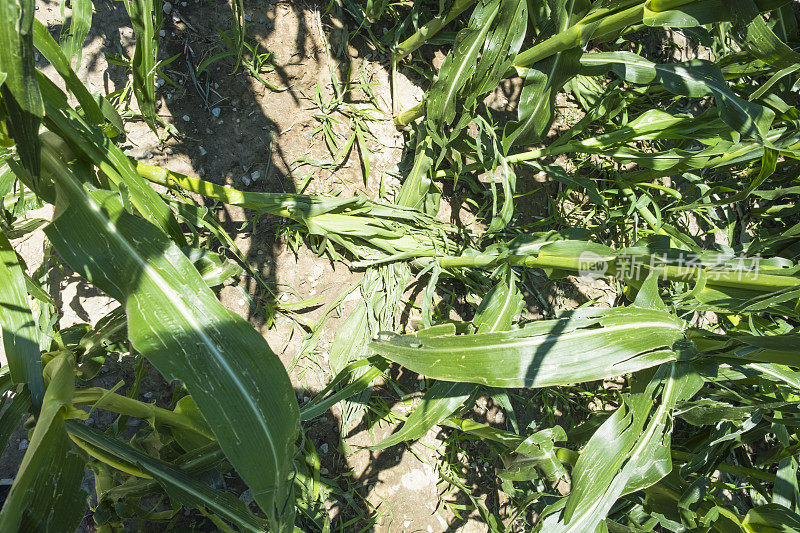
column 216, row 111
column 148, row 395
column 162, row 33
column 23, row 444
column 169, row 151
column 201, row 150
column 169, row 96
column 260, row 252
column 246, row 181
column 248, row 18
column 284, row 297
column 255, row 175
column 241, row 302
column 186, row 118
column 184, row 4
column 323, row 471
column 167, row 8
column 324, row 448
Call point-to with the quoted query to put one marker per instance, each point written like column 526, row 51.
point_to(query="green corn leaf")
column 771, row 518
column 543, row 81
column 786, row 491
column 178, row 483
column 93, row 144
column 318, row 405
column 695, row 78
column 195, row 462
column 20, row 91
column 440, row 401
column 460, row 64
column 50, row 50
column 74, row 34
column 502, row 218
column 237, row 10
column 627, row 453
column 416, row 189
column 46, row 494
column 375, row 8
column 145, row 19
column 432, row 27
column 769, row 162
column 175, row 321
column 501, row 46
column 496, row 313
column 349, row 340
column 500, row 306
column 536, row 452
column 544, row 353
column 570, row 180
column 752, row 31
column 19, row 332
column 689, row 15
column 13, row 411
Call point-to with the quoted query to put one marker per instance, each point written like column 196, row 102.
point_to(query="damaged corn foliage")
column 669, row 406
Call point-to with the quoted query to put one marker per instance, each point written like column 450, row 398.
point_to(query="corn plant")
column 700, row 434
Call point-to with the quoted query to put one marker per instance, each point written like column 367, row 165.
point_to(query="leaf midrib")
column 176, row 300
